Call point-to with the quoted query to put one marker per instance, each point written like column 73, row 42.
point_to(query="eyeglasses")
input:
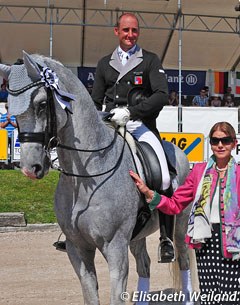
column 224, row 140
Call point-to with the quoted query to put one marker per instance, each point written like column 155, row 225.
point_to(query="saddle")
column 151, row 170
column 153, row 178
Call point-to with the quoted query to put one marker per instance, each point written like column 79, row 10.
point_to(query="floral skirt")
column 219, row 278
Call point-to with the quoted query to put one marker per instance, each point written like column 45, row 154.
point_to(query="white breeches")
column 143, row 134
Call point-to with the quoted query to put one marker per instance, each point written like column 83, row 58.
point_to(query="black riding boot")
column 166, row 249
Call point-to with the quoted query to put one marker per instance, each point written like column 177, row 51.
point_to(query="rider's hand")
column 121, row 116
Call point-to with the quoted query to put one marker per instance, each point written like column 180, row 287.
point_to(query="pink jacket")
column 185, row 195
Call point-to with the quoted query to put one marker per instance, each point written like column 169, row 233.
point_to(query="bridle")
column 49, row 138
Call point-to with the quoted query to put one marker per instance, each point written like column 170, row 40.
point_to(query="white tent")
column 79, row 32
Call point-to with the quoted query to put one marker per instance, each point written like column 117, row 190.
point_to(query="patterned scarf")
column 199, row 227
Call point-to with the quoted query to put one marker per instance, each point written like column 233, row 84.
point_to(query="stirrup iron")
column 165, row 260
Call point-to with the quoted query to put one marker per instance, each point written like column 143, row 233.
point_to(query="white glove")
column 121, row 116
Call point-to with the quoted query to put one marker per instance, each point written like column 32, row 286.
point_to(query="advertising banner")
column 3, row 144
column 192, row 144
column 86, row 75
column 192, row 81
column 16, row 147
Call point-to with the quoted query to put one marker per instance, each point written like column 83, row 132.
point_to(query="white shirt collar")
column 129, row 52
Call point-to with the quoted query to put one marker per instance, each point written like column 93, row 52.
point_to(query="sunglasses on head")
column 224, row 140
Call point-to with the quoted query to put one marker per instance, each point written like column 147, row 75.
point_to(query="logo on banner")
column 191, row 79
column 192, row 144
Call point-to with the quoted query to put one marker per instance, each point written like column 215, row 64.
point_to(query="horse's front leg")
column 83, row 264
column 139, row 250
column 183, row 255
column 116, row 254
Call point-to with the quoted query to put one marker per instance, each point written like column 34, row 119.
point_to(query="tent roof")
column 209, row 38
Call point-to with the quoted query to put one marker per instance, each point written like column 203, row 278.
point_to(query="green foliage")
column 33, row 197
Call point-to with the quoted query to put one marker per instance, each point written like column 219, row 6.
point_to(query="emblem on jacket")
column 138, row 80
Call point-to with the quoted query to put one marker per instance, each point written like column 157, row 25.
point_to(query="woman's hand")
column 142, row 186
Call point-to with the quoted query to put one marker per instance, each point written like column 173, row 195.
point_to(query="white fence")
column 196, row 119
column 199, row 120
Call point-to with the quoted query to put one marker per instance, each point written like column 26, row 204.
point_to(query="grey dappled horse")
column 96, row 200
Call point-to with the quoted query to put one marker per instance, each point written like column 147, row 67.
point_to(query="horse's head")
column 37, row 102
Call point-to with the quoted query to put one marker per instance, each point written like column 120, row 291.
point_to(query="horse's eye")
column 42, row 106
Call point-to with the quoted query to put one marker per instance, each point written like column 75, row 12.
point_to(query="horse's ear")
column 5, row 71
column 31, row 66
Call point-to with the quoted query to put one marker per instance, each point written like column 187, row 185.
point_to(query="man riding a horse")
column 131, row 84
column 54, row 109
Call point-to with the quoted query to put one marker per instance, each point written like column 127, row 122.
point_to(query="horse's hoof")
column 60, row 246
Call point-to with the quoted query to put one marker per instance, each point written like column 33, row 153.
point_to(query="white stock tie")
column 125, row 58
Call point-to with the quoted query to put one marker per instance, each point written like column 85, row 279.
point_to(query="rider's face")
column 127, row 32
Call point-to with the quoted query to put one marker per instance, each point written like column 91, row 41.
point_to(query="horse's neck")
column 85, row 127
column 85, row 130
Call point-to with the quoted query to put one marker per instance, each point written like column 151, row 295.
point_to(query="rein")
column 88, row 150
column 95, row 175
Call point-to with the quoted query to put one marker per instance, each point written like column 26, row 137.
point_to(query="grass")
column 33, row 197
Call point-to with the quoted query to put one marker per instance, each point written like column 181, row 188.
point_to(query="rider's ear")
column 31, row 66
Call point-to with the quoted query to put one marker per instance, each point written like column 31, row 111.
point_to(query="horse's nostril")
column 37, row 168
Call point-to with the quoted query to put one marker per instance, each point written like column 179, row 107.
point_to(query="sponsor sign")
column 16, row 146
column 3, row 144
column 191, row 143
column 191, row 81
